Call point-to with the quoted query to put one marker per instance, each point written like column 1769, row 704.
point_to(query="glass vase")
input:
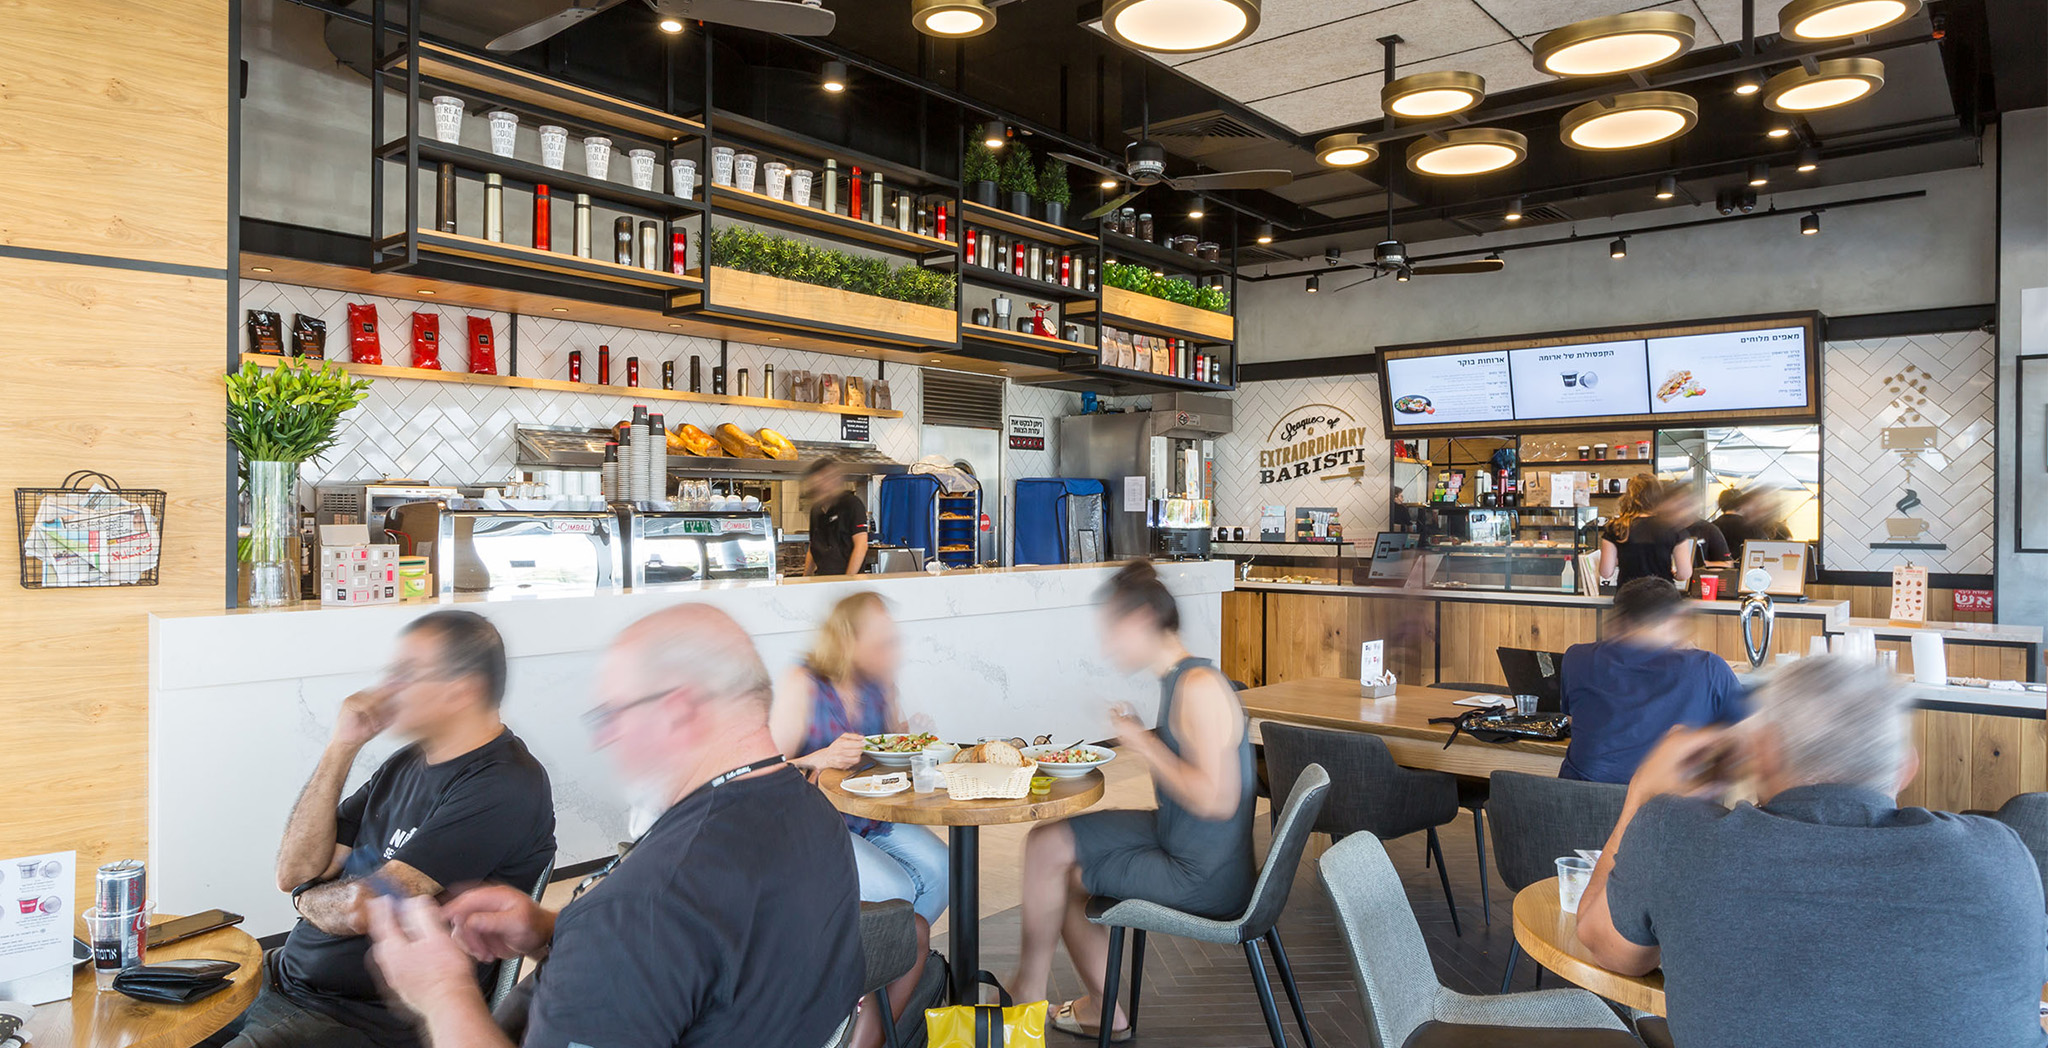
column 273, row 525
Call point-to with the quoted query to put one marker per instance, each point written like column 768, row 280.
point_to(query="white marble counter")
column 1832, row 612
column 2009, row 633
column 241, row 702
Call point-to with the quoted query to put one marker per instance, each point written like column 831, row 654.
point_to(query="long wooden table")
column 1402, row 721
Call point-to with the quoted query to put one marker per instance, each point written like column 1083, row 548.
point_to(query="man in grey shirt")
column 1828, row 915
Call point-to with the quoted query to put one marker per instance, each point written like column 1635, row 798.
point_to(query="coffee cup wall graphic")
column 1918, row 446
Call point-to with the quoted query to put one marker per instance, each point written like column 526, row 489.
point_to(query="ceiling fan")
column 1390, row 258
column 786, row 17
column 1145, row 167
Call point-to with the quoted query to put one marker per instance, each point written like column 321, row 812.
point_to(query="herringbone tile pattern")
column 1361, row 502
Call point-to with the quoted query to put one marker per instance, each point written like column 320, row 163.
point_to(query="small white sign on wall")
column 1134, row 494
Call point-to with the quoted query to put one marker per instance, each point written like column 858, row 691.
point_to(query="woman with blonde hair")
column 843, row 691
column 1638, row 544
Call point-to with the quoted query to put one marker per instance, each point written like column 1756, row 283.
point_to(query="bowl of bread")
column 993, row 770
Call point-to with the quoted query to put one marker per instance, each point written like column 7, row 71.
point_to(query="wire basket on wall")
column 89, row 531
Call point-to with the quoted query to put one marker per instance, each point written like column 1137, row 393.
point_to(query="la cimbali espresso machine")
column 1160, row 470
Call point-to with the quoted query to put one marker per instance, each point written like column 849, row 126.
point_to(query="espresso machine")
column 1159, row 467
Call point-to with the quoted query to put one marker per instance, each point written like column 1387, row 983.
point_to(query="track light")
column 1109, row 183
column 670, row 26
column 1315, row 283
column 952, row 18
column 994, row 134
column 1748, row 84
column 1514, row 211
column 1759, row 174
column 1724, row 201
column 1618, row 249
column 1265, row 233
column 1745, row 199
column 1810, row 225
column 1809, row 160
column 1778, row 132
column 1667, row 187
column 1195, row 212
column 1401, row 276
column 834, row 78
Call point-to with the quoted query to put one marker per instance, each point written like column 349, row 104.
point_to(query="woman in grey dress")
column 1193, row 852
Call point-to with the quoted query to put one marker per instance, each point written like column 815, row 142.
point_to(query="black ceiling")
column 1950, row 71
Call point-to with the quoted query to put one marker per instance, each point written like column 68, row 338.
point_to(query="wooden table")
column 1402, row 721
column 963, row 820
column 1550, row 937
column 91, row 1019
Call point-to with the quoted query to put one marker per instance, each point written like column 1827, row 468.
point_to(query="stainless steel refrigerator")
column 1160, row 468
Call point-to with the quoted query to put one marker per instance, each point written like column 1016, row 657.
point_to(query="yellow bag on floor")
column 987, row 1025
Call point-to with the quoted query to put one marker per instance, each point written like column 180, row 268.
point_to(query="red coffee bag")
column 426, row 341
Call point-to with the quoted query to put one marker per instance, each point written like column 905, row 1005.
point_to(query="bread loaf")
column 738, row 442
column 1001, row 754
column 779, row 446
column 693, row 441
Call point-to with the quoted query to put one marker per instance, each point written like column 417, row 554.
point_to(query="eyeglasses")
column 599, row 719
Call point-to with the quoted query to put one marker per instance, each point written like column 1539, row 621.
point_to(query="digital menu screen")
column 1729, row 371
column 1588, row 379
column 1467, row 387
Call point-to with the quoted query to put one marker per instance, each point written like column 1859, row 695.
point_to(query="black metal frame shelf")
column 518, row 89
column 1087, row 375
column 982, row 275
column 520, row 175
column 979, row 214
column 1147, row 327
column 1115, row 245
column 739, row 129
column 764, row 208
column 683, row 291
column 996, row 336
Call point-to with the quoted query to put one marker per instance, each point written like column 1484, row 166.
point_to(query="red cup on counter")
column 1710, row 587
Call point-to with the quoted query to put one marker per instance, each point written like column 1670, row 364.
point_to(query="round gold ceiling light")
column 1637, row 118
column 1467, row 151
column 955, row 19
column 1614, row 44
column 1834, row 82
column 1179, row 26
column 1433, row 94
column 1815, row 20
column 1345, row 151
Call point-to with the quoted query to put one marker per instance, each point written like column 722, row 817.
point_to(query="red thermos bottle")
column 633, row 371
column 967, row 245
column 940, row 230
column 575, row 365
column 853, row 194
column 604, row 365
column 540, row 218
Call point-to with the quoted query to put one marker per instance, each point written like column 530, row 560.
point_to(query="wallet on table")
column 176, row 982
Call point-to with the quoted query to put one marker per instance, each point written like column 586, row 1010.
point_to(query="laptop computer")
column 1535, row 673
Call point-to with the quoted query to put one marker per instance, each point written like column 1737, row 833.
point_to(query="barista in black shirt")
column 839, row 522
column 464, row 803
column 733, row 920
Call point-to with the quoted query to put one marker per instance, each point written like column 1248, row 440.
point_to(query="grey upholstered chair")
column 1370, row 793
column 1537, row 819
column 1406, row 1007
column 2027, row 814
column 508, row 969
column 1259, row 920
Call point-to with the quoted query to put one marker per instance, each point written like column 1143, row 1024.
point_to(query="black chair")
column 888, row 946
column 1538, row 819
column 508, row 969
column 1369, row 793
column 2027, row 814
column 1308, row 788
column 1473, row 793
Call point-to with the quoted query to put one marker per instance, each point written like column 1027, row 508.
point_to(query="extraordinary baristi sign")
column 1310, row 440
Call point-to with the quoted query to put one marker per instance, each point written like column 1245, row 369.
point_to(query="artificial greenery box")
column 862, row 289
column 1173, row 289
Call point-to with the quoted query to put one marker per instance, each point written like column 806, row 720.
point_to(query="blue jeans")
column 900, row 861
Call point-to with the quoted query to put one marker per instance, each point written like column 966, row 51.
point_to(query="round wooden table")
column 963, row 821
column 1550, row 937
column 91, row 1019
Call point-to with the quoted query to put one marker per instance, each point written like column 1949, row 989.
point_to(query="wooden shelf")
column 1156, row 316
column 785, row 305
column 557, row 262
column 1020, row 340
column 1116, row 381
column 559, row 386
column 740, row 129
column 1023, row 285
column 1117, row 244
column 546, row 95
column 1023, row 226
column 562, row 185
column 830, row 223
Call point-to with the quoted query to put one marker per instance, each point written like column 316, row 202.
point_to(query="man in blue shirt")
column 1624, row 693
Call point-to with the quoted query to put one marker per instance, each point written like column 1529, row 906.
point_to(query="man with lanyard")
column 839, row 522
column 733, row 920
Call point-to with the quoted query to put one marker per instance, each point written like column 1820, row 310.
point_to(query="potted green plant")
column 276, row 420
column 1019, row 182
column 980, row 174
column 1053, row 192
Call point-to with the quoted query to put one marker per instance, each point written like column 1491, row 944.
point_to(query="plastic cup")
column 721, row 165
column 448, row 118
column 1710, row 587
column 504, row 131
column 643, row 168
column 682, row 178
column 1573, row 874
column 554, row 144
column 776, row 176
column 107, row 932
column 744, row 165
column 924, row 773
column 800, row 187
column 1525, row 704
column 597, row 157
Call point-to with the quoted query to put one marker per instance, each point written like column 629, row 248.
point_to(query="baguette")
column 693, row 441
column 738, row 442
column 777, row 445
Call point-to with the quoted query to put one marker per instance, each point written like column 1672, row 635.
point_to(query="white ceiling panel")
column 1354, row 101
column 1279, row 18
column 1726, row 17
column 1347, row 50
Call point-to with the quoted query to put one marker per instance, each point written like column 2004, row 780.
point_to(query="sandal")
column 1066, row 1021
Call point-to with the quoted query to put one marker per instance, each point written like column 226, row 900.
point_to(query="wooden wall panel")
column 116, row 115
column 1244, row 637
column 1974, row 761
column 1408, row 627
column 1471, row 632
column 1309, row 635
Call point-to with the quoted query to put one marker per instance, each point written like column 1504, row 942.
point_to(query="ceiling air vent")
column 1201, row 125
column 953, row 398
column 1541, row 214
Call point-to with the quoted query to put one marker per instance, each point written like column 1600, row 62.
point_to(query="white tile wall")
column 1946, row 381
column 1361, row 502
